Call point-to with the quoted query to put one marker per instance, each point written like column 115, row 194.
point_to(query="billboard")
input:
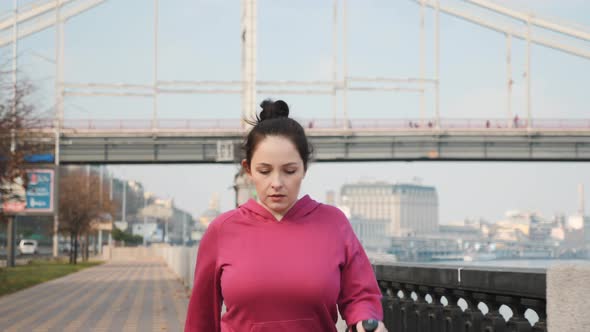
column 38, row 198
column 40, row 191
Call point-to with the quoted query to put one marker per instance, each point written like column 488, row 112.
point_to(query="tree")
column 20, row 138
column 81, row 204
column 128, row 239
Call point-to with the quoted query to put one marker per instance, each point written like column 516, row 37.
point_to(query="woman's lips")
column 276, row 198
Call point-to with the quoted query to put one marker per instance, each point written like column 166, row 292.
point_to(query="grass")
column 36, row 272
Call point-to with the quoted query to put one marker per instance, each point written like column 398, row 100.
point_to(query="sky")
column 200, row 40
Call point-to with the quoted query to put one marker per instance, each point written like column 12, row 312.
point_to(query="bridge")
column 338, row 136
column 219, row 141
column 431, row 135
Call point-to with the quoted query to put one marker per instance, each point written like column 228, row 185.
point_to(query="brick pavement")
column 117, row 296
column 128, row 296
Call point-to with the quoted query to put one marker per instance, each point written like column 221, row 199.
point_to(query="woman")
column 280, row 263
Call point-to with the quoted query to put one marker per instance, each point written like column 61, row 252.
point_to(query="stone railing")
column 447, row 298
column 426, row 297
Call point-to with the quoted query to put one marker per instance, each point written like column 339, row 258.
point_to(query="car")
column 27, row 247
column 64, row 247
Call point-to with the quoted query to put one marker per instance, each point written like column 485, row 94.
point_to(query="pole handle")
column 369, row 325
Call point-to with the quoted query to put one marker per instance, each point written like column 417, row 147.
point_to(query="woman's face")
column 276, row 169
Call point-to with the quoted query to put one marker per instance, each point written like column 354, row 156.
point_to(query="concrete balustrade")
column 568, row 297
column 426, row 297
column 181, row 260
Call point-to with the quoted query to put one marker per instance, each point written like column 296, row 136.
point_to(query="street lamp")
column 145, row 199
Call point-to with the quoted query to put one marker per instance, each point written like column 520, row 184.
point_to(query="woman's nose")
column 276, row 182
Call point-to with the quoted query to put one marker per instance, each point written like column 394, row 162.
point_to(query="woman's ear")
column 245, row 166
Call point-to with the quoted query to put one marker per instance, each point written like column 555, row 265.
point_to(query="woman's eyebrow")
column 293, row 163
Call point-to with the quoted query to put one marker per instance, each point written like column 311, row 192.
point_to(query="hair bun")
column 273, row 109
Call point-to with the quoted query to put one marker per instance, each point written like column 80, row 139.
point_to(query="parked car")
column 27, row 247
column 66, row 247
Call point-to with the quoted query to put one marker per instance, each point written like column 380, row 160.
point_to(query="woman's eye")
column 264, row 172
column 290, row 171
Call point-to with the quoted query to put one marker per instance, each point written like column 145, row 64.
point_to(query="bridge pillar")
column 249, row 18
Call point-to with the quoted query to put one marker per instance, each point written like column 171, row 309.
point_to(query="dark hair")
column 274, row 121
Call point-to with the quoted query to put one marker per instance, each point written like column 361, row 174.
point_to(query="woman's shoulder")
column 332, row 214
column 335, row 219
column 331, row 210
column 221, row 219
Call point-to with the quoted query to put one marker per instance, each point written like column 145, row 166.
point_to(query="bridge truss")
column 42, row 14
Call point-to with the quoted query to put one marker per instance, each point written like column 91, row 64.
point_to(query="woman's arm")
column 204, row 308
column 360, row 296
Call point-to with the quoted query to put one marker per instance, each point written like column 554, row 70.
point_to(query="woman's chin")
column 277, row 207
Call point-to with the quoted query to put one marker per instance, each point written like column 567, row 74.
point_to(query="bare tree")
column 20, row 140
column 20, row 137
column 80, row 205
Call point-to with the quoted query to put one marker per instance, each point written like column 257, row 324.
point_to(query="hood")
column 301, row 208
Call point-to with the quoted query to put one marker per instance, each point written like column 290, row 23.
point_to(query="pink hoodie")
column 281, row 276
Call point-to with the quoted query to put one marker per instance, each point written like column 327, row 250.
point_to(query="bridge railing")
column 320, row 125
column 445, row 298
column 143, row 124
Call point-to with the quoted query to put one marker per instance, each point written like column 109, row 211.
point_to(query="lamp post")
column 183, row 228
column 144, row 218
column 11, row 227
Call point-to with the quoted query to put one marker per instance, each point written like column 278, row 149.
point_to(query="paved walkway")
column 117, row 296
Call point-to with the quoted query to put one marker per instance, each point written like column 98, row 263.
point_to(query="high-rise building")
column 410, row 208
column 371, row 233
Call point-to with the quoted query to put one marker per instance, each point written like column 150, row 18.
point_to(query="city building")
column 465, row 230
column 244, row 188
column 425, row 249
column 540, row 229
column 160, row 211
column 577, row 228
column 515, row 227
column 179, row 229
column 411, row 209
column 371, row 233
column 584, row 217
column 212, row 212
column 149, row 231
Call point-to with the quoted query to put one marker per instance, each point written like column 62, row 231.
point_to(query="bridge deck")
column 219, row 140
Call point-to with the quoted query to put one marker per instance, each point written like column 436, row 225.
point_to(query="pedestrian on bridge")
column 280, row 262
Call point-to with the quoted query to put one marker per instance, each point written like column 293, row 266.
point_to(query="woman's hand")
column 380, row 328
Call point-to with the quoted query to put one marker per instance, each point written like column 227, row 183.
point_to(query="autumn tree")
column 21, row 140
column 20, row 137
column 81, row 203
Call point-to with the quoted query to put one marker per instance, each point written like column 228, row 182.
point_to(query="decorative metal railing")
column 429, row 298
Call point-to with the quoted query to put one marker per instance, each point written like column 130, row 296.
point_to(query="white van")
column 27, row 247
